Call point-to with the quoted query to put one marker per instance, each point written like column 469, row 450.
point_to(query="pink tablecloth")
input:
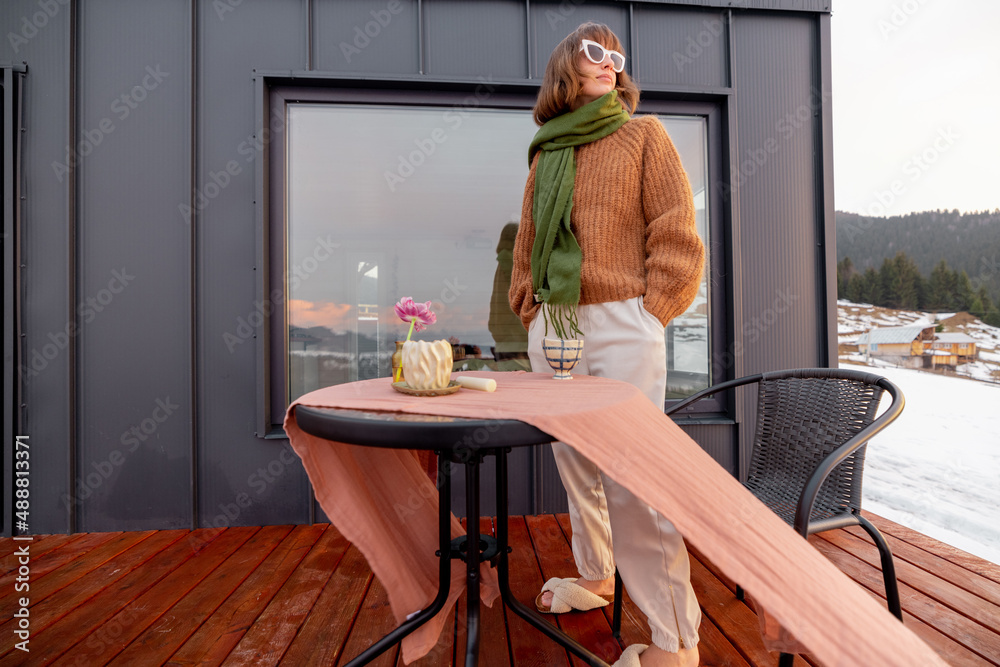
column 380, row 498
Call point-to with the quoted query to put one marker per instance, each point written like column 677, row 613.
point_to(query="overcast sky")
column 916, row 105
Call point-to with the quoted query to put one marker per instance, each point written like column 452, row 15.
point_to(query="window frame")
column 275, row 93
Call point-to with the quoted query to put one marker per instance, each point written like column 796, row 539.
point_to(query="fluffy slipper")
column 568, row 596
column 630, row 657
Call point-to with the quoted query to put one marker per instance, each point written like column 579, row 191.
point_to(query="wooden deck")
column 302, row 595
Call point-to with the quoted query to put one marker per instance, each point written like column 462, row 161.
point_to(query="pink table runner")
column 381, row 498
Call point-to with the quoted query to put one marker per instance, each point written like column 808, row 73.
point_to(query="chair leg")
column 616, row 617
column 888, row 568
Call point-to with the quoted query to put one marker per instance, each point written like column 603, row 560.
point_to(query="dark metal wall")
column 140, row 246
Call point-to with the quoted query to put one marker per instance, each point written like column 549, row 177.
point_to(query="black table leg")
column 472, row 560
column 503, row 573
column 444, row 573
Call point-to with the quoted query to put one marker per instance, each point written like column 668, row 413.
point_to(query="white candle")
column 482, row 384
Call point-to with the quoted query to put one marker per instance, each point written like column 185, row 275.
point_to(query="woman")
column 607, row 249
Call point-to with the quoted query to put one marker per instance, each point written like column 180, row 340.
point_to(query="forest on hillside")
column 932, row 261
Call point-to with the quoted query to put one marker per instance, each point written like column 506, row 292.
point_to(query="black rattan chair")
column 809, row 451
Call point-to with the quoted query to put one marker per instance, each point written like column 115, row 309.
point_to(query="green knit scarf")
column 556, row 255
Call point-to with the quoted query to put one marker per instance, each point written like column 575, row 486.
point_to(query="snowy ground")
column 936, row 468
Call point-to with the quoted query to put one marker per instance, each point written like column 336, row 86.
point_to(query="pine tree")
column 938, row 288
column 871, row 288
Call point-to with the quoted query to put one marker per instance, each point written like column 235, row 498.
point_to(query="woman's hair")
column 561, row 84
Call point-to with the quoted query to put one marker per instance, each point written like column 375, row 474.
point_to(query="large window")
column 385, row 201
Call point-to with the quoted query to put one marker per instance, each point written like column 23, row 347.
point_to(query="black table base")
column 490, row 549
column 383, row 429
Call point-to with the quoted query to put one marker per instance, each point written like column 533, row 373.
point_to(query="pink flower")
column 419, row 315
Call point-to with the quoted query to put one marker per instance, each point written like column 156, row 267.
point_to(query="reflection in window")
column 385, row 202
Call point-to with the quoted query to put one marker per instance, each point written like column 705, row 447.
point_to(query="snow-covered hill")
column 936, row 469
column 853, row 319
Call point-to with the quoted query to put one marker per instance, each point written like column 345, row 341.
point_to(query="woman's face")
column 597, row 79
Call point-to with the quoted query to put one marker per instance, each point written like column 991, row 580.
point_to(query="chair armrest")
column 837, row 456
column 722, row 386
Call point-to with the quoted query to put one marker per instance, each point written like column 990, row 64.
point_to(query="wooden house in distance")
column 960, row 345
column 917, row 346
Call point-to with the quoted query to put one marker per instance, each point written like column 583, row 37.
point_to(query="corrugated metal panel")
column 550, row 22
column 782, row 5
column 475, row 39
column 777, row 152
column 681, row 46
column 718, row 440
column 363, row 36
column 134, row 451
column 778, row 104
column 47, row 248
column 242, row 479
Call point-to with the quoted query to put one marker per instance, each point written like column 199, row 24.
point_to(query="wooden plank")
column 373, row 622
column 494, row 649
column 940, row 628
column 67, row 600
column 63, row 567
column 972, row 563
column 84, row 621
column 529, row 647
column 735, row 621
column 213, row 641
column 635, row 626
column 714, row 648
column 161, row 639
column 943, row 568
column 273, row 631
column 321, row 639
column 955, row 597
column 555, row 557
column 53, row 560
column 118, row 631
column 38, row 546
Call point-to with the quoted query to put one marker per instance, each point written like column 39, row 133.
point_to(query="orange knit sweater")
column 633, row 216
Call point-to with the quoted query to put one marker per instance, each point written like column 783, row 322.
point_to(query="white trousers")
column 611, row 527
